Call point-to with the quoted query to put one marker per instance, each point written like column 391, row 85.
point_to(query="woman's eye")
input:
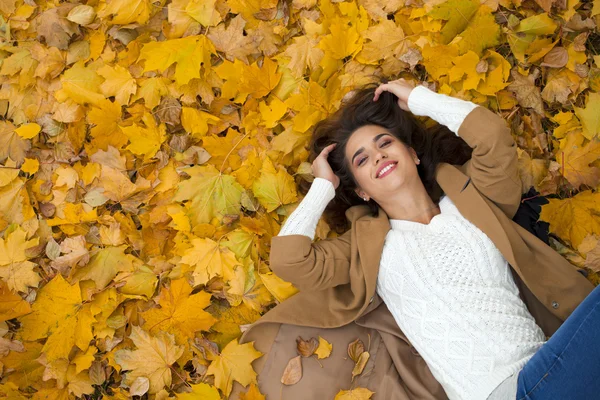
column 385, row 143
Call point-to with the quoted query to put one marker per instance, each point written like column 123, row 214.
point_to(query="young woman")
column 446, row 283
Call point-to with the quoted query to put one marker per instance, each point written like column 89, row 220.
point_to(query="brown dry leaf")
column 306, row 348
column 293, row 371
column 355, row 349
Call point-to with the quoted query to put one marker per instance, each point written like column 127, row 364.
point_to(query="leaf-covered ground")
column 149, row 150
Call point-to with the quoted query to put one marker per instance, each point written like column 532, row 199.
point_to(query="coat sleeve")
column 311, row 266
column 493, row 167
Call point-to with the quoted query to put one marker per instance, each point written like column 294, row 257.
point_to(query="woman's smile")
column 387, row 170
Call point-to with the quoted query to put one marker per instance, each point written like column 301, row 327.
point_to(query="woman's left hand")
column 400, row 87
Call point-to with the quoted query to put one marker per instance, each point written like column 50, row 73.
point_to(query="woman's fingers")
column 327, row 150
column 393, row 87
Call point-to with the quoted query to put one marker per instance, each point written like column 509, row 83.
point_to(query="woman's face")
column 370, row 149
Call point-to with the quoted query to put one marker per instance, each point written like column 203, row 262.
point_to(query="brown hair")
column 432, row 145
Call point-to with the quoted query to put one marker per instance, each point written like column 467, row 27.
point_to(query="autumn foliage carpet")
column 149, row 150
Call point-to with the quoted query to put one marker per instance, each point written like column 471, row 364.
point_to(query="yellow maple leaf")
column 196, row 122
column 104, row 266
column 590, row 116
column 181, row 313
column 574, row 218
column 260, row 81
column 231, row 40
column 303, row 53
column 57, row 314
column 204, row 11
column 125, row 11
column 152, row 358
column 234, row 363
column 80, row 84
column 342, row 41
column 11, row 304
column 118, row 83
column 189, row 53
column 252, row 394
column 151, row 90
column 209, row 259
column 386, row 40
column 279, row 288
column 200, row 391
column 15, row 269
column 274, row 187
column 146, row 140
column 575, row 159
column 210, row 194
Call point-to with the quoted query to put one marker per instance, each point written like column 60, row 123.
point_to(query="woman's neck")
column 417, row 208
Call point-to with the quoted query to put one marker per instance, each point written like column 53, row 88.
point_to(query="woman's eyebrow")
column 375, row 139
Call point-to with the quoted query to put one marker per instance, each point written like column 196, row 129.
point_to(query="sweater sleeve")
column 446, row 110
column 304, row 219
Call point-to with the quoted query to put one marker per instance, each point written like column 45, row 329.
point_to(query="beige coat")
column 337, row 282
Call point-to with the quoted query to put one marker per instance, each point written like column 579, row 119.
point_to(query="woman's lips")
column 388, row 171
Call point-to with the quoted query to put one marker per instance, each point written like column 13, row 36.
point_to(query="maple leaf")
column 200, row 391
column 303, row 53
column 189, row 53
column 11, row 304
column 24, row 366
column 11, row 144
column 252, row 394
column 590, row 116
column 125, row 12
column 15, row 269
column 209, row 260
column 118, row 83
column 574, row 218
column 57, row 314
column 231, row 40
column 146, row 140
column 274, row 187
column 80, row 84
column 152, row 358
column 234, row 363
column 210, row 194
column 575, row 159
column 104, row 266
column 181, row 313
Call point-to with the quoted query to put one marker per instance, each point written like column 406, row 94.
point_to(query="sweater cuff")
column 304, row 219
column 321, row 192
column 446, row 110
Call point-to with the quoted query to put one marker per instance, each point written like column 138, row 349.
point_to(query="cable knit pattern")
column 446, row 284
column 452, row 293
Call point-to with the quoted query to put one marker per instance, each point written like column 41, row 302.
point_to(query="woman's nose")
column 378, row 157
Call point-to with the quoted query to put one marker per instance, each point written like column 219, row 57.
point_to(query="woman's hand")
column 400, row 87
column 321, row 168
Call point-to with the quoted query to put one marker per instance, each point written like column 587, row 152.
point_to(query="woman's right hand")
column 321, row 168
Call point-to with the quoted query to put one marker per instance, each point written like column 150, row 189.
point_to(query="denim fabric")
column 567, row 366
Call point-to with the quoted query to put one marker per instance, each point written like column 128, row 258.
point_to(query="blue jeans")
column 567, row 366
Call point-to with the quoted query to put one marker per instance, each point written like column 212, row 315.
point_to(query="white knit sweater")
column 446, row 284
